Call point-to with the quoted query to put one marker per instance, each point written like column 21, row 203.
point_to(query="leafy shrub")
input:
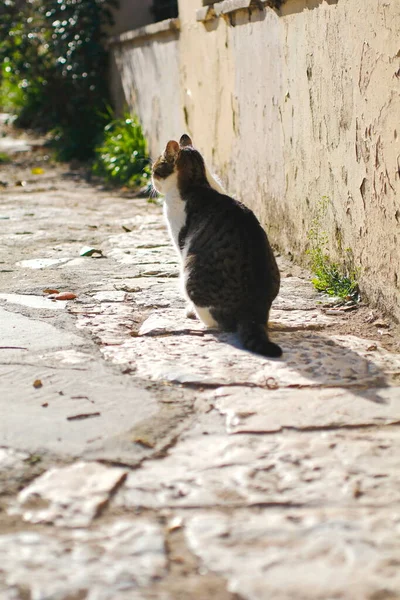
column 11, row 95
column 53, row 50
column 122, row 157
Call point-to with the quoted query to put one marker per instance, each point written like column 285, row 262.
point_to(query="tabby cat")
column 229, row 272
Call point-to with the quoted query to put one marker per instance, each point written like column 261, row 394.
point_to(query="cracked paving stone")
column 255, row 410
column 169, row 322
column 106, row 563
column 109, row 296
column 19, row 330
column 359, row 467
column 67, row 391
column 296, row 294
column 173, row 321
column 328, row 553
column 309, row 360
column 300, row 319
column 70, row 496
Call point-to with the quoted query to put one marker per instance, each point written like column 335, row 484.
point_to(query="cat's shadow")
column 324, row 361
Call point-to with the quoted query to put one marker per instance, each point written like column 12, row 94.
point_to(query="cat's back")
column 222, row 213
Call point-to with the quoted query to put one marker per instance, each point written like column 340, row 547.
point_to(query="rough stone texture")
column 331, row 553
column 104, row 563
column 69, row 497
column 310, row 359
column 333, row 467
column 255, row 410
column 290, row 106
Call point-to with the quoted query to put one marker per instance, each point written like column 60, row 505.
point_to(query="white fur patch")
column 205, row 317
column 175, row 214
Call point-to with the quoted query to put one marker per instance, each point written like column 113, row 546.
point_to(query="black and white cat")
column 229, row 271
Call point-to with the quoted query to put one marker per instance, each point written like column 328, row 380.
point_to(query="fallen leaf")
column 144, row 442
column 37, row 384
column 50, row 291
column 372, row 348
column 37, row 171
column 65, row 296
column 20, row 183
column 88, row 251
column 45, row 404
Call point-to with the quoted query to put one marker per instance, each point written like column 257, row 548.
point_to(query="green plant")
column 330, row 277
column 11, row 95
column 53, row 51
column 4, row 158
column 122, row 156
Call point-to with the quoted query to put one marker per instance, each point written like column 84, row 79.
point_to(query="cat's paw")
column 190, row 312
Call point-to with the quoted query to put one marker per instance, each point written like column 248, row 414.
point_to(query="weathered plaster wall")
column 129, row 14
column 148, row 63
column 290, row 107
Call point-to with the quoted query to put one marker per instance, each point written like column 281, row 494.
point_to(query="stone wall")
column 293, row 108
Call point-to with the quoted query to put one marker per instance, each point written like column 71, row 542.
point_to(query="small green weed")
column 330, row 277
column 122, row 157
column 4, row 158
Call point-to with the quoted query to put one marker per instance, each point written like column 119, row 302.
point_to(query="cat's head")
column 179, row 165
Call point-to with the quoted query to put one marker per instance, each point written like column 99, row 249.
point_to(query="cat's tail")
column 254, row 337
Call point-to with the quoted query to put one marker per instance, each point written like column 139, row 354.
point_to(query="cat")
column 229, row 271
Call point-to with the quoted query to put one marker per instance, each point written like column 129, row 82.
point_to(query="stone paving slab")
column 76, row 408
column 330, row 553
column 309, row 359
column 70, row 496
column 266, row 411
column 98, row 564
column 332, row 467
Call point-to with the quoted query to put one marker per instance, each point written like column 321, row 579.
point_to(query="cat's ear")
column 172, row 149
column 185, row 141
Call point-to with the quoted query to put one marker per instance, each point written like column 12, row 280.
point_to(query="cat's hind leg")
column 205, row 316
column 190, row 311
